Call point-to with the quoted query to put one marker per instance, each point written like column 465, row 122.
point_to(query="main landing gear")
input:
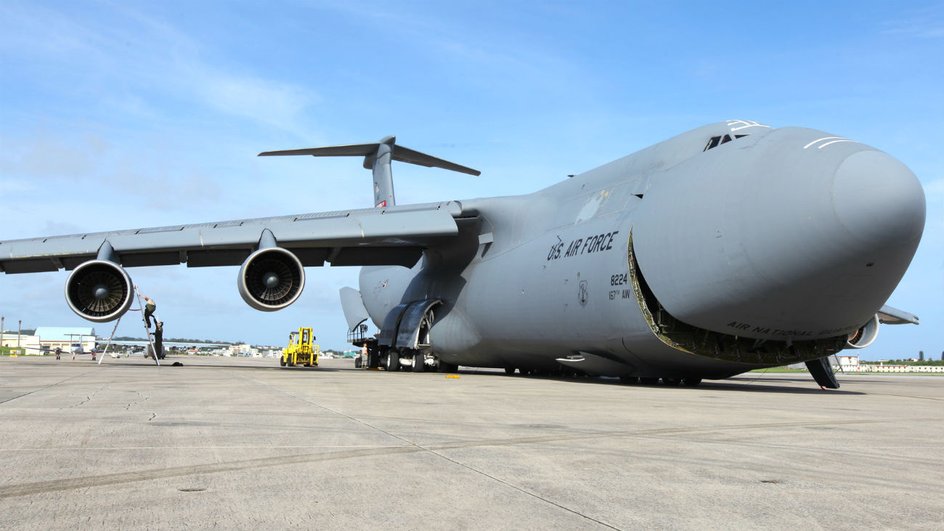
column 667, row 381
column 407, row 360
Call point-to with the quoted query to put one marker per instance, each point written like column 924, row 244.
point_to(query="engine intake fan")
column 271, row 279
column 864, row 336
column 99, row 290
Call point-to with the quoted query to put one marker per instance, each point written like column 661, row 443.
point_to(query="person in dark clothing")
column 159, row 339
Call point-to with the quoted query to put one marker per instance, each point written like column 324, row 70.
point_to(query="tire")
column 691, row 382
column 447, row 367
column 629, row 380
column 671, row 382
column 392, row 363
column 648, row 380
column 373, row 360
column 282, row 361
column 419, row 362
column 510, row 371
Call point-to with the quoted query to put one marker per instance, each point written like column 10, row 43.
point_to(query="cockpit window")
column 716, row 141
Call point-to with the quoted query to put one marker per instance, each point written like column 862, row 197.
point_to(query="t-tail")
column 377, row 157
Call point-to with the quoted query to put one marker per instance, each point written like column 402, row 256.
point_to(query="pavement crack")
column 43, row 388
column 57, row 485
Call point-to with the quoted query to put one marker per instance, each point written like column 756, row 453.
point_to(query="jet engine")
column 99, row 290
column 271, row 279
column 864, row 336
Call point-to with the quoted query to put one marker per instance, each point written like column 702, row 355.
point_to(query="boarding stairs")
column 150, row 337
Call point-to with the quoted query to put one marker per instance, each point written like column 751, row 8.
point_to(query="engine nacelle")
column 864, row 336
column 99, row 290
column 271, row 279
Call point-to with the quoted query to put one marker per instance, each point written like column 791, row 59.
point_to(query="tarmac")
column 243, row 444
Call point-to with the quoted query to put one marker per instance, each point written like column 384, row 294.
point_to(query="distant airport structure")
column 850, row 363
column 46, row 339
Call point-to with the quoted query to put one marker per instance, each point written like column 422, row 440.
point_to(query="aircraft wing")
column 391, row 236
column 890, row 315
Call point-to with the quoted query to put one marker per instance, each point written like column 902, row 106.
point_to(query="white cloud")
column 269, row 102
column 127, row 58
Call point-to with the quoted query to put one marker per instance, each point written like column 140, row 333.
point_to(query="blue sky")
column 132, row 114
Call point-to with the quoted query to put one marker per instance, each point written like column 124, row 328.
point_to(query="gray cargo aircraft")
column 731, row 247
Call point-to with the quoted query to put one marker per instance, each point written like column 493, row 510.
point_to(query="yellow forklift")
column 300, row 349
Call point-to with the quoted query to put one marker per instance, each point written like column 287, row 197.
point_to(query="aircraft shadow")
column 743, row 385
column 739, row 384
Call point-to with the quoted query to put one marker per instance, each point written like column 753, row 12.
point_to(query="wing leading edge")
column 392, row 236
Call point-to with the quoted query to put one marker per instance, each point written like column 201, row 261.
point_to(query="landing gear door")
column 413, row 332
column 388, row 333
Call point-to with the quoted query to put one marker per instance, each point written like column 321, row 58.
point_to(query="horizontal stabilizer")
column 352, row 150
column 398, row 153
column 403, row 154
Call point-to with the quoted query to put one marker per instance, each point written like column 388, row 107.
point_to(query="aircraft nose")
column 810, row 246
column 878, row 200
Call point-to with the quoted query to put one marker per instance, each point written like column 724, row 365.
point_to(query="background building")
column 29, row 344
column 64, row 337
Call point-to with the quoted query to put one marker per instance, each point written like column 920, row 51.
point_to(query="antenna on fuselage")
column 377, row 157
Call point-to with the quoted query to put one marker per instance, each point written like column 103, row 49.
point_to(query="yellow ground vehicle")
column 301, row 349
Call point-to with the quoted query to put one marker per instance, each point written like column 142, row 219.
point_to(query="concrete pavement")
column 243, row 444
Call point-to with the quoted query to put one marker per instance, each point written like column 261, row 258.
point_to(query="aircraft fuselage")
column 769, row 247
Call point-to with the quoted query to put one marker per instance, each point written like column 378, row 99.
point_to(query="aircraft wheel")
column 510, row 371
column 448, row 367
column 691, row 382
column 671, row 381
column 373, row 360
column 648, row 381
column 629, row 380
column 392, row 363
column 419, row 362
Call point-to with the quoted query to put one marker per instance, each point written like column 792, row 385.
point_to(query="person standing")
column 159, row 339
